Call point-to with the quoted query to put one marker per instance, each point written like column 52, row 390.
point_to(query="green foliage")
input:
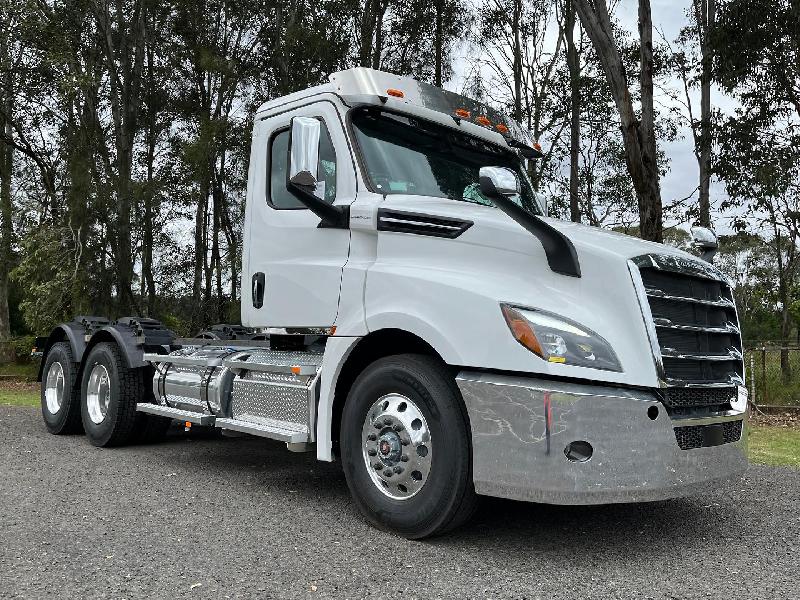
column 46, row 274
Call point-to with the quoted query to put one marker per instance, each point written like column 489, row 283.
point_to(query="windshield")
column 406, row 155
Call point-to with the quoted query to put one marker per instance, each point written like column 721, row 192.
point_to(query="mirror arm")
column 337, row 217
column 558, row 248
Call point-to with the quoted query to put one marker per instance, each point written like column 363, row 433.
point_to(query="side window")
column 278, row 195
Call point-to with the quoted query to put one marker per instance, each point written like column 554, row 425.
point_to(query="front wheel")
column 405, row 447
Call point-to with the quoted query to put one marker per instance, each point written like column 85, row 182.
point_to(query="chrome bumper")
column 635, row 458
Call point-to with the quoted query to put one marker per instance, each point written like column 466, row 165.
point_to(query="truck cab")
column 410, row 310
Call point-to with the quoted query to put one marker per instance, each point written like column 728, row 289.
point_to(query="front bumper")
column 635, row 458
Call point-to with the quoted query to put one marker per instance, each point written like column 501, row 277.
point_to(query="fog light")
column 578, row 451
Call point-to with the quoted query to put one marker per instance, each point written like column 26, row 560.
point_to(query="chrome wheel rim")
column 54, row 388
column 98, row 394
column 396, row 445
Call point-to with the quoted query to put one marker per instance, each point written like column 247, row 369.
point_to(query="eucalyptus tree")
column 638, row 130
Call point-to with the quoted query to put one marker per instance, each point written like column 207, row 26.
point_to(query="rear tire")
column 405, row 445
column 60, row 405
column 109, row 393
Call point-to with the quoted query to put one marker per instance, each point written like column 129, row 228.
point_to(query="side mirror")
column 706, row 240
column 301, row 178
column 304, row 152
column 500, row 181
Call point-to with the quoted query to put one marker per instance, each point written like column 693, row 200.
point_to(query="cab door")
column 292, row 268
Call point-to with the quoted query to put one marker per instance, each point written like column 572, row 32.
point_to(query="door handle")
column 259, row 283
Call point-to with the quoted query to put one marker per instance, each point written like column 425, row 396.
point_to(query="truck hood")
column 497, row 230
column 448, row 290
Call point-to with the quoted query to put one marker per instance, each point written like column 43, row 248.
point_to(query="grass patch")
column 19, row 396
column 23, row 371
column 777, row 446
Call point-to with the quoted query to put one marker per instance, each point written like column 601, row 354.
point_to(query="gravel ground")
column 244, row 518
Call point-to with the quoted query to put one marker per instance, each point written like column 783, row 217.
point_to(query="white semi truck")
column 409, row 310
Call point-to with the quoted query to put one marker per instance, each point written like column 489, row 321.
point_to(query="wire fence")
column 773, row 374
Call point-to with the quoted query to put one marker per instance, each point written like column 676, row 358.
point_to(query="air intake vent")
column 421, row 224
column 705, row 436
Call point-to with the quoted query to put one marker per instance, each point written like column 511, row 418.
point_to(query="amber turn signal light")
column 395, row 93
column 522, row 331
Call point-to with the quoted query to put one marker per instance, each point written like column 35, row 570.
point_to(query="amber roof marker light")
column 395, row 93
column 462, row 113
column 481, row 120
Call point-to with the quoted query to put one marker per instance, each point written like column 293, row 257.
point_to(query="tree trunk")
column 198, row 316
column 367, row 33
column 705, row 15
column 516, row 23
column 124, row 55
column 638, row 136
column 437, row 76
column 575, row 116
column 6, row 230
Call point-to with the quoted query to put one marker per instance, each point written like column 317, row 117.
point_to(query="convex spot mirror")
column 500, row 181
column 304, row 152
column 706, row 241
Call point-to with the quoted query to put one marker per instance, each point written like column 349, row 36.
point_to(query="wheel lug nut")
column 371, row 452
column 377, row 466
column 388, row 472
column 398, row 427
column 398, row 469
column 404, row 458
column 405, row 442
column 372, row 437
column 387, row 421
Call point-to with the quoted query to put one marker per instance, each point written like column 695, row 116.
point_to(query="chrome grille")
column 693, row 318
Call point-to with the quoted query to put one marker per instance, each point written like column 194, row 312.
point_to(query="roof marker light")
column 501, row 128
column 462, row 113
column 483, row 121
column 395, row 93
column 537, row 146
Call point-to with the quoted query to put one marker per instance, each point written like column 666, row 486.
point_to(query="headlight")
column 558, row 340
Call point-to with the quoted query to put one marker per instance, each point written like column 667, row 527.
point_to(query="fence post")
column 764, row 399
column 753, row 379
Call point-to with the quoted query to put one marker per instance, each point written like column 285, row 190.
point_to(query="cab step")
column 176, row 413
column 291, row 433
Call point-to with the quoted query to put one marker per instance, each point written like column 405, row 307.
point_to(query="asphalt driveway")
column 244, row 518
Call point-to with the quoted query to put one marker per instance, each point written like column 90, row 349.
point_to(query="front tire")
column 405, row 445
column 60, row 405
column 109, row 393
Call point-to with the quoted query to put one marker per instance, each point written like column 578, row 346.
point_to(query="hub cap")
column 98, row 394
column 396, row 444
column 54, row 388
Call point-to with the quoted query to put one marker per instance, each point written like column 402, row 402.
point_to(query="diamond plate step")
column 175, row 413
column 291, row 433
column 279, row 361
